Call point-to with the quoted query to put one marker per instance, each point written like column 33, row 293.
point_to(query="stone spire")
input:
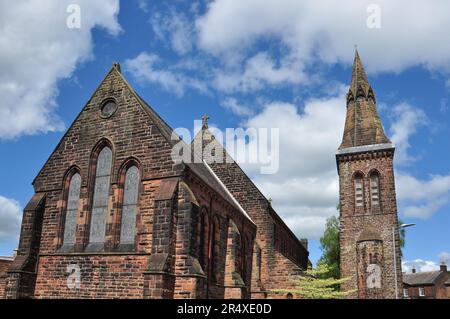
column 359, row 78
column 362, row 124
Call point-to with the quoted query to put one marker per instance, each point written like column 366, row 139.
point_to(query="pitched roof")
column 421, row 278
column 198, row 167
column 169, row 135
column 206, row 135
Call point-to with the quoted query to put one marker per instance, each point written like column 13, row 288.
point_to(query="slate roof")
column 421, row 278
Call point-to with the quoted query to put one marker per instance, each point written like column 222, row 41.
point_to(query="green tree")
column 329, row 243
column 313, row 285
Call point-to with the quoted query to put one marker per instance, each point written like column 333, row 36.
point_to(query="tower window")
column 359, row 198
column 374, row 189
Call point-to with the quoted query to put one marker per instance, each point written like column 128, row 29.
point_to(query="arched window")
column 375, row 189
column 101, row 195
column 258, row 262
column 359, row 195
column 70, row 222
column 203, row 239
column 129, row 209
column 215, row 239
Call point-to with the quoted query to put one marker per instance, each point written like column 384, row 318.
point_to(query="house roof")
column 421, row 278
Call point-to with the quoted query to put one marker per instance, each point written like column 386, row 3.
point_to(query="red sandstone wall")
column 382, row 218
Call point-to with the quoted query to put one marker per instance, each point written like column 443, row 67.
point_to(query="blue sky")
column 284, row 64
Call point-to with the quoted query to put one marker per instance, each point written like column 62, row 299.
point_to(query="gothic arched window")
column 203, row 240
column 101, row 195
column 375, row 189
column 73, row 197
column 359, row 195
column 129, row 209
column 215, row 239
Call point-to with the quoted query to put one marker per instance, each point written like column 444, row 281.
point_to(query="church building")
column 114, row 216
column 369, row 236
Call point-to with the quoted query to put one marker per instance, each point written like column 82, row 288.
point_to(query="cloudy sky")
column 263, row 64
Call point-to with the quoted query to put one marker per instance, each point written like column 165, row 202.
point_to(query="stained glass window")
column 71, row 211
column 129, row 210
column 101, row 195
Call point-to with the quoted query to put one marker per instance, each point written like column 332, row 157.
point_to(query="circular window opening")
column 108, row 108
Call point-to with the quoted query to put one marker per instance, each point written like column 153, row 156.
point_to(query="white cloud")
column 143, row 5
column 38, row 50
column 305, row 189
column 420, row 265
column 234, row 106
column 325, row 30
column 10, row 218
column 148, row 67
column 176, row 27
column 406, row 120
column 444, row 257
column 422, row 198
column 258, row 72
column 426, row 265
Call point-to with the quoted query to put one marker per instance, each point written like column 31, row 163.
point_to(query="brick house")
column 427, row 285
column 369, row 235
column 115, row 216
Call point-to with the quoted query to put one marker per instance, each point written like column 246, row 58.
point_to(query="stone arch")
column 369, row 255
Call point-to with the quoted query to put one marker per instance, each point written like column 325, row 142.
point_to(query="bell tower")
column 369, row 237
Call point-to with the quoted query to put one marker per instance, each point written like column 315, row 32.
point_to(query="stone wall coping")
column 365, row 148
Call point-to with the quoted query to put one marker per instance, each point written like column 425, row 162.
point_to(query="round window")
column 108, row 108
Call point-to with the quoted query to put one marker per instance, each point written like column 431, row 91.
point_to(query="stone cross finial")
column 205, row 121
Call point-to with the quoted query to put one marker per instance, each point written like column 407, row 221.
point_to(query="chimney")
column 443, row 267
column 413, row 270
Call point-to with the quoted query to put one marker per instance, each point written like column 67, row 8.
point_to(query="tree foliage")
column 329, row 243
column 314, row 285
